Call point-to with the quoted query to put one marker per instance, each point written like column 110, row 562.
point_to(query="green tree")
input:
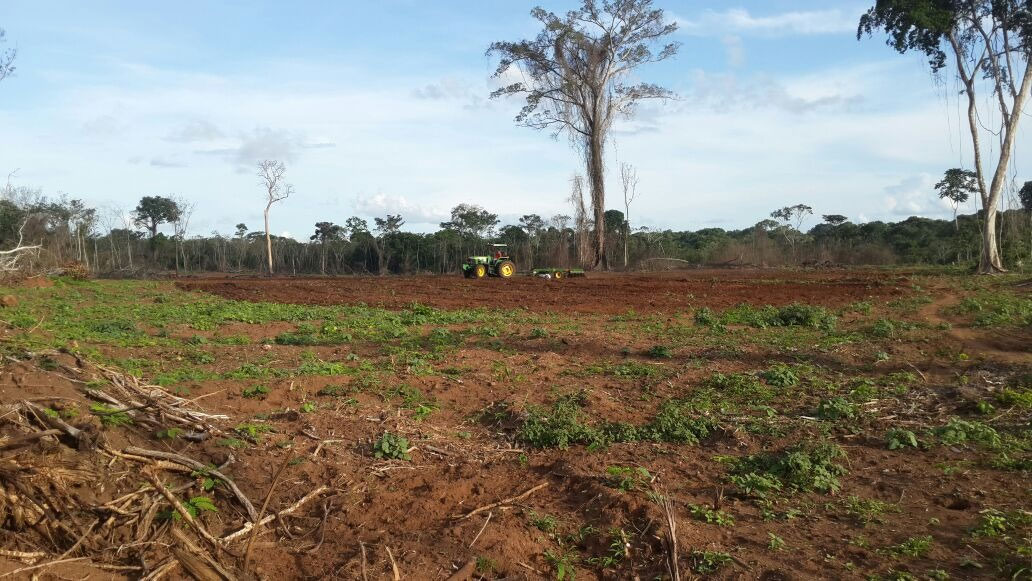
column 835, row 219
column 576, row 78
column 471, row 220
column 153, row 211
column 989, row 42
column 956, row 187
column 326, row 232
column 386, row 228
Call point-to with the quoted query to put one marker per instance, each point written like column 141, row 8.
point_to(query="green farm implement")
column 557, row 273
column 498, row 264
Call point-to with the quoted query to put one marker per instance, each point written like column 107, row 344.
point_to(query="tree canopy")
column 153, row 211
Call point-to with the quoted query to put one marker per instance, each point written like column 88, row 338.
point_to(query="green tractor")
column 497, row 264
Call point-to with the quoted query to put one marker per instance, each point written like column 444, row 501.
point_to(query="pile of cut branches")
column 75, row 491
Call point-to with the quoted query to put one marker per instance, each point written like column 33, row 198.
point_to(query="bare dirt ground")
column 542, row 442
column 597, row 293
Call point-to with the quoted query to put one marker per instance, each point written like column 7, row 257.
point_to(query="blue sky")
column 381, row 107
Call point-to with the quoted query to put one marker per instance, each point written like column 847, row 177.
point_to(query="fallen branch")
column 181, row 509
column 207, row 470
column 265, row 506
column 248, row 526
column 671, row 539
column 501, row 502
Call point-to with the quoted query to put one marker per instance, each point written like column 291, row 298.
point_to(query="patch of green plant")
column 868, row 510
column 711, row 516
column 562, row 564
column 775, row 543
column 255, row 391
column 334, row 390
column 996, row 309
column 780, row 376
column 538, row 333
column 1015, row 397
column 617, row 550
column 633, row 369
column 860, row 307
column 899, row 439
column 659, row 352
column 194, row 506
column 486, row 565
column 169, row 433
column 109, row 416
column 958, row 431
column 252, row 430
column 561, row 426
column 705, row 562
column 911, row 547
column 308, row 407
column 543, row 522
column 627, row 478
column 794, row 315
column 837, row 408
column 997, row 523
column 234, row 443
column 805, row 467
column 391, row 447
column 676, row 423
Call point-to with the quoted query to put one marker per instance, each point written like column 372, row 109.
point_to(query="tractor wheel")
column 467, row 273
column 558, row 274
column 505, row 268
column 480, row 270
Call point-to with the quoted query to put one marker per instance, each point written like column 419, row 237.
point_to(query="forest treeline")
column 153, row 239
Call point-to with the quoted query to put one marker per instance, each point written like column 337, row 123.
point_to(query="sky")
column 383, row 107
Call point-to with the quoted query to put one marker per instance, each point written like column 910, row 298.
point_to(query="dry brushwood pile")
column 75, row 497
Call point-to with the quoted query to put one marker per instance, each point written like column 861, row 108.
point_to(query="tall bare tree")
column 6, row 58
column 990, row 42
column 272, row 174
column 576, row 79
column 629, row 181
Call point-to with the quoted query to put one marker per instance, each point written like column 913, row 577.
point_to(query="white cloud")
column 741, row 21
column 915, row 195
column 734, row 50
column 193, row 131
column 380, row 204
column 265, row 143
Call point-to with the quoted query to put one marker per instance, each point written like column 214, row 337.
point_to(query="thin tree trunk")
column 268, row 239
column 596, row 178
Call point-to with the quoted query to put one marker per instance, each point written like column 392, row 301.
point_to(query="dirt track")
column 597, row 293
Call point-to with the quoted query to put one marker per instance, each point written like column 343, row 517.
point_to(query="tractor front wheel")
column 480, row 270
column 558, row 274
column 506, row 269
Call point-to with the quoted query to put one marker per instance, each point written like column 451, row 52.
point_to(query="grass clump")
column 704, row 562
column 255, row 391
column 958, row 431
column 868, row 510
column 561, row 426
column 627, row 478
column 911, row 547
column 805, row 467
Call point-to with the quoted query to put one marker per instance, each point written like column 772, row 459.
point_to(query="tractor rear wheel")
column 480, row 270
column 505, row 268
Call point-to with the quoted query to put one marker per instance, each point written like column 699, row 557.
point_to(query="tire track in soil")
column 1012, row 349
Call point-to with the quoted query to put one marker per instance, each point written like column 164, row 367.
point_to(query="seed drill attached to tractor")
column 499, row 264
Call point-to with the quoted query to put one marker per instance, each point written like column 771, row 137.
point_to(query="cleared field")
column 597, row 293
column 795, row 424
